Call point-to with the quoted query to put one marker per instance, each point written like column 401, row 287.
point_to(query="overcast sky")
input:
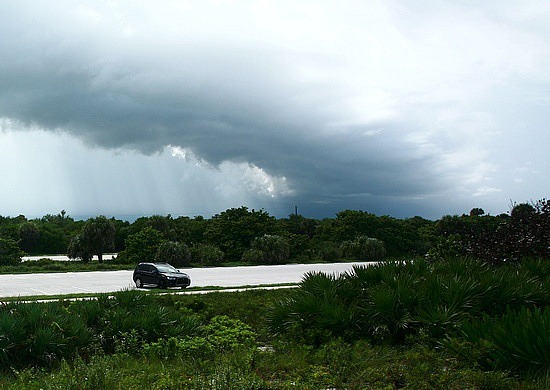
column 400, row 108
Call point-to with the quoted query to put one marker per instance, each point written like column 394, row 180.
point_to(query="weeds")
column 398, row 303
column 517, row 341
column 398, row 325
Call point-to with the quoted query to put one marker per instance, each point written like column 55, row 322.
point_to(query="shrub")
column 175, row 253
column 522, row 235
column 225, row 333
column 518, row 341
column 268, row 249
column 77, row 249
column 253, row 256
column 132, row 317
column 131, row 311
column 222, row 334
column 10, row 254
column 386, row 302
column 141, row 246
column 316, row 312
column 206, row 254
column 363, row 248
column 173, row 347
column 41, row 334
column 324, row 251
column 446, row 248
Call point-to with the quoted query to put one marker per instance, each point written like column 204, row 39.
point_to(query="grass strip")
column 153, row 291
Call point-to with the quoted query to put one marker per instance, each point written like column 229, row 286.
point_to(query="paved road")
column 106, row 256
column 110, row 281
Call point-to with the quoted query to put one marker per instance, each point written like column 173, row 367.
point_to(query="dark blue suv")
column 162, row 275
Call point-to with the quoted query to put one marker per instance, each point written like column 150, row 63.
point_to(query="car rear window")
column 166, row 268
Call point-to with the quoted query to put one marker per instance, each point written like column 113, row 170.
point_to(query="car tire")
column 162, row 284
column 139, row 283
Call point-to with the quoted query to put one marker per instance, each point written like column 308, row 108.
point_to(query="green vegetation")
column 495, row 317
column 96, row 238
column 268, row 249
column 10, row 253
column 175, row 253
column 360, row 330
column 467, row 309
column 48, row 265
column 363, row 248
column 244, row 236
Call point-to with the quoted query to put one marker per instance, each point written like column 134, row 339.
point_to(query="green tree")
column 400, row 237
column 348, row 225
column 98, row 235
column 163, row 224
column 190, row 231
column 9, row 227
column 364, row 248
column 206, row 254
column 233, row 230
column 52, row 239
column 175, row 253
column 78, row 249
column 142, row 246
column 299, row 225
column 10, row 253
column 122, row 229
column 269, row 249
column 523, row 234
column 476, row 212
column 523, row 212
column 527, row 232
column 56, row 232
column 28, row 236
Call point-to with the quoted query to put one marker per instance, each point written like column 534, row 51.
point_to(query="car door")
column 149, row 274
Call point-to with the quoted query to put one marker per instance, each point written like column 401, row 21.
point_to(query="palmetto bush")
column 136, row 313
column 389, row 301
column 12, row 335
column 517, row 341
column 208, row 360
column 43, row 334
column 446, row 300
column 391, row 312
column 372, row 302
column 322, row 308
column 40, row 334
column 523, row 340
column 537, row 268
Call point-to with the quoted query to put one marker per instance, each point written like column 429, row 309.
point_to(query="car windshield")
column 166, row 268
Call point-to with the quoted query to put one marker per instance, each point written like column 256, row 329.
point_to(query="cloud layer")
column 389, row 107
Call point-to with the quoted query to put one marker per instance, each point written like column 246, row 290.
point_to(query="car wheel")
column 162, row 283
column 139, row 283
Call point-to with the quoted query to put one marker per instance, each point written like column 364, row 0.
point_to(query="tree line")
column 255, row 237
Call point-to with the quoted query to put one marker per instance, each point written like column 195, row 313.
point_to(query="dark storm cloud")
column 223, row 103
column 119, row 78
